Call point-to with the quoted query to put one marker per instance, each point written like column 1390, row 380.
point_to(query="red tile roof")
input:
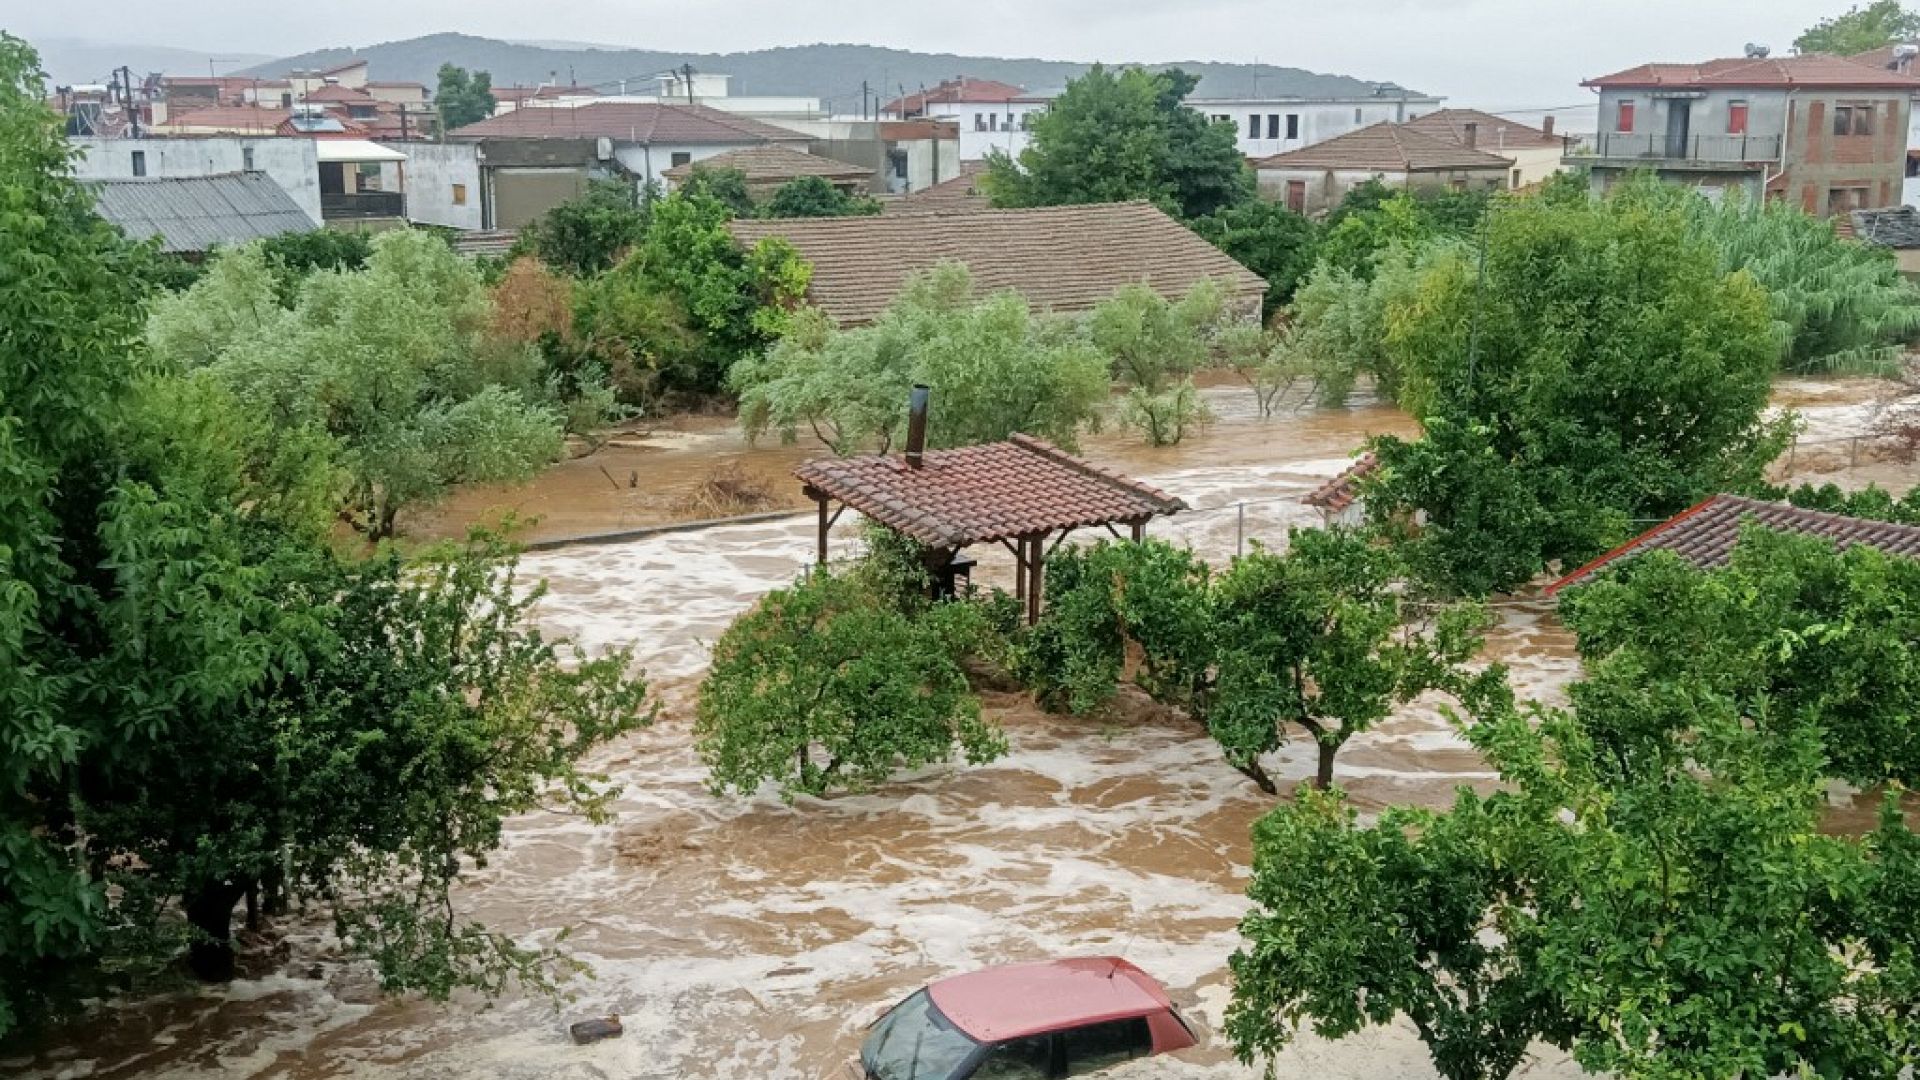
column 773, row 164
column 1386, row 147
column 1705, row 534
column 979, row 494
column 1784, row 72
column 1494, row 134
column 954, row 91
column 961, row 192
column 343, row 94
column 242, row 119
column 1344, row 490
column 1060, row 258
column 628, row 122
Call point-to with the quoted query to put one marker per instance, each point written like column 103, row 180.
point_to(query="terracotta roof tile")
column 1343, row 490
column 952, row 91
column 1705, row 534
column 640, row 122
column 238, row 119
column 1782, row 72
column 1061, row 258
column 1495, row 133
column 1386, row 147
column 979, row 494
column 772, row 164
column 962, row 192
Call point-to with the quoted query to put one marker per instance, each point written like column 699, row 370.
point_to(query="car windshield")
column 915, row 1042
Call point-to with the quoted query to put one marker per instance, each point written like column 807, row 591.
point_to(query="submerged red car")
column 1025, row 1022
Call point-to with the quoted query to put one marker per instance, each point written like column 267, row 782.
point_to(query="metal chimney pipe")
column 916, row 425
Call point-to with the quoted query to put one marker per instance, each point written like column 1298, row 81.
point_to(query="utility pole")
column 686, row 73
column 863, row 100
column 403, row 121
column 126, row 98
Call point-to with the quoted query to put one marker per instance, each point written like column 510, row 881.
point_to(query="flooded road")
column 741, row 938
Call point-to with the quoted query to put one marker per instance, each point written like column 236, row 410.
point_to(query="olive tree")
column 1155, row 345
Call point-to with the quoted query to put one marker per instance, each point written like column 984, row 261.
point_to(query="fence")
column 1654, row 146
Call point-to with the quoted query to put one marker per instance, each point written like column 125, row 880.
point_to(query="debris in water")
column 592, row 1031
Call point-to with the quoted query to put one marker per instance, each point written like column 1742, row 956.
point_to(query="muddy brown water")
column 743, row 938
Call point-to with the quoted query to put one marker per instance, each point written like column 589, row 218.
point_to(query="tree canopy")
column 587, row 234
column 1113, row 136
column 1860, row 28
column 463, row 97
column 814, row 196
column 1594, row 365
column 1268, row 239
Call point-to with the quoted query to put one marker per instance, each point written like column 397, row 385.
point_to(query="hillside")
column 71, row 60
column 832, row 72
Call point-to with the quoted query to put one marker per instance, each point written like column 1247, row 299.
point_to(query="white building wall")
column 1267, row 127
column 649, row 162
column 986, row 126
column 291, row 162
column 443, row 184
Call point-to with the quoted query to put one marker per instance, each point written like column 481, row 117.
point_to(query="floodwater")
column 742, row 938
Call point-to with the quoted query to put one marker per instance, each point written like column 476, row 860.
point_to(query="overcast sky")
column 1501, row 54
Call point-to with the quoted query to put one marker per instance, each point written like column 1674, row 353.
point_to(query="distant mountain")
column 831, row 72
column 71, row 60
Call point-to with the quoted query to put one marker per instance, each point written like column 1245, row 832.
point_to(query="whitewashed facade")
column 1267, row 126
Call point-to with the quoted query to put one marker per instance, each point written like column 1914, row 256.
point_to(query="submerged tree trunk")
column 1253, row 771
column 1323, row 778
column 210, row 911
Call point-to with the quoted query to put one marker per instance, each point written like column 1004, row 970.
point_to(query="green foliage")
column 825, row 686
column 391, row 363
column 1117, row 136
column 1339, row 322
column 1679, row 915
column 814, row 196
column 1268, row 239
column 1155, row 346
column 463, row 98
column 1601, row 369
column 1837, row 305
column 1376, row 221
column 1861, row 28
column 589, row 233
column 199, row 697
column 1791, row 634
column 296, row 256
column 728, row 187
column 1316, row 639
column 994, row 366
column 1871, row 501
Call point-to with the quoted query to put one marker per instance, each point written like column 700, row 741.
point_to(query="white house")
column 292, row 163
column 991, row 115
column 1274, row 125
column 1536, row 153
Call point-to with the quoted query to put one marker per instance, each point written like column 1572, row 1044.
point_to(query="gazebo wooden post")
column 820, row 500
column 1139, row 529
column 1036, row 561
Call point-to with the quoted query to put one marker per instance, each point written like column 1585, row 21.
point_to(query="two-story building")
column 990, row 115
column 1265, row 126
column 1827, row 133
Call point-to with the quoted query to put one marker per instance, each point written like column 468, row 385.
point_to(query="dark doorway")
column 1679, row 127
column 333, row 178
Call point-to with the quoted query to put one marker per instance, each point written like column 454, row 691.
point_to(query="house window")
column 1853, row 120
column 993, row 121
column 1623, row 119
column 681, row 157
column 1841, row 200
column 1459, row 184
column 1253, row 126
column 139, row 163
column 1293, row 125
column 1516, row 180
column 1222, row 118
column 1358, row 115
column 979, row 121
column 459, row 194
column 1736, row 118
column 1273, row 125
column 286, row 101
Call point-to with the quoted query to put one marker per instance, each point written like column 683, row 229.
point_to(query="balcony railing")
column 1651, row 147
column 365, row 204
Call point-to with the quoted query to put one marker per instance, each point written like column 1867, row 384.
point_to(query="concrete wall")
column 1313, row 121
column 649, row 162
column 433, row 170
column 291, row 162
column 1325, row 188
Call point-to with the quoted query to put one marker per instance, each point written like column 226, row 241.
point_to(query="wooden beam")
column 1035, row 562
column 825, row 524
column 1139, row 529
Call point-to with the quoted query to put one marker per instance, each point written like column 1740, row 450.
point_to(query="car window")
column 1020, row 1059
column 916, row 1042
column 1097, row 1046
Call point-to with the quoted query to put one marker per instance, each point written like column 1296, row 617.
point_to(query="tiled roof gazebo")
column 1019, row 493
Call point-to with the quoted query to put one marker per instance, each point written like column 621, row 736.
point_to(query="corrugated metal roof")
column 197, row 213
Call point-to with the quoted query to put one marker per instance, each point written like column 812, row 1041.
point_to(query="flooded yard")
column 749, row 939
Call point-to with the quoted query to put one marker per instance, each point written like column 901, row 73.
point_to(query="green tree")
column 1268, row 239
column 1682, row 915
column 590, row 232
column 995, row 367
column 1876, row 25
column 813, row 196
column 1794, row 635
column 824, row 686
column 1376, row 222
column 1317, row 639
column 728, row 187
column 1871, row 501
column 1595, row 366
column 1117, row 136
column 463, row 98
column 1339, row 322
column 392, row 363
column 1155, row 346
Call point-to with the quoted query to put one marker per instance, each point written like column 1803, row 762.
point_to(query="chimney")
column 916, row 425
column 1473, row 134
column 1546, row 125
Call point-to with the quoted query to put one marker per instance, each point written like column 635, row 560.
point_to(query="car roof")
column 1018, row 1000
